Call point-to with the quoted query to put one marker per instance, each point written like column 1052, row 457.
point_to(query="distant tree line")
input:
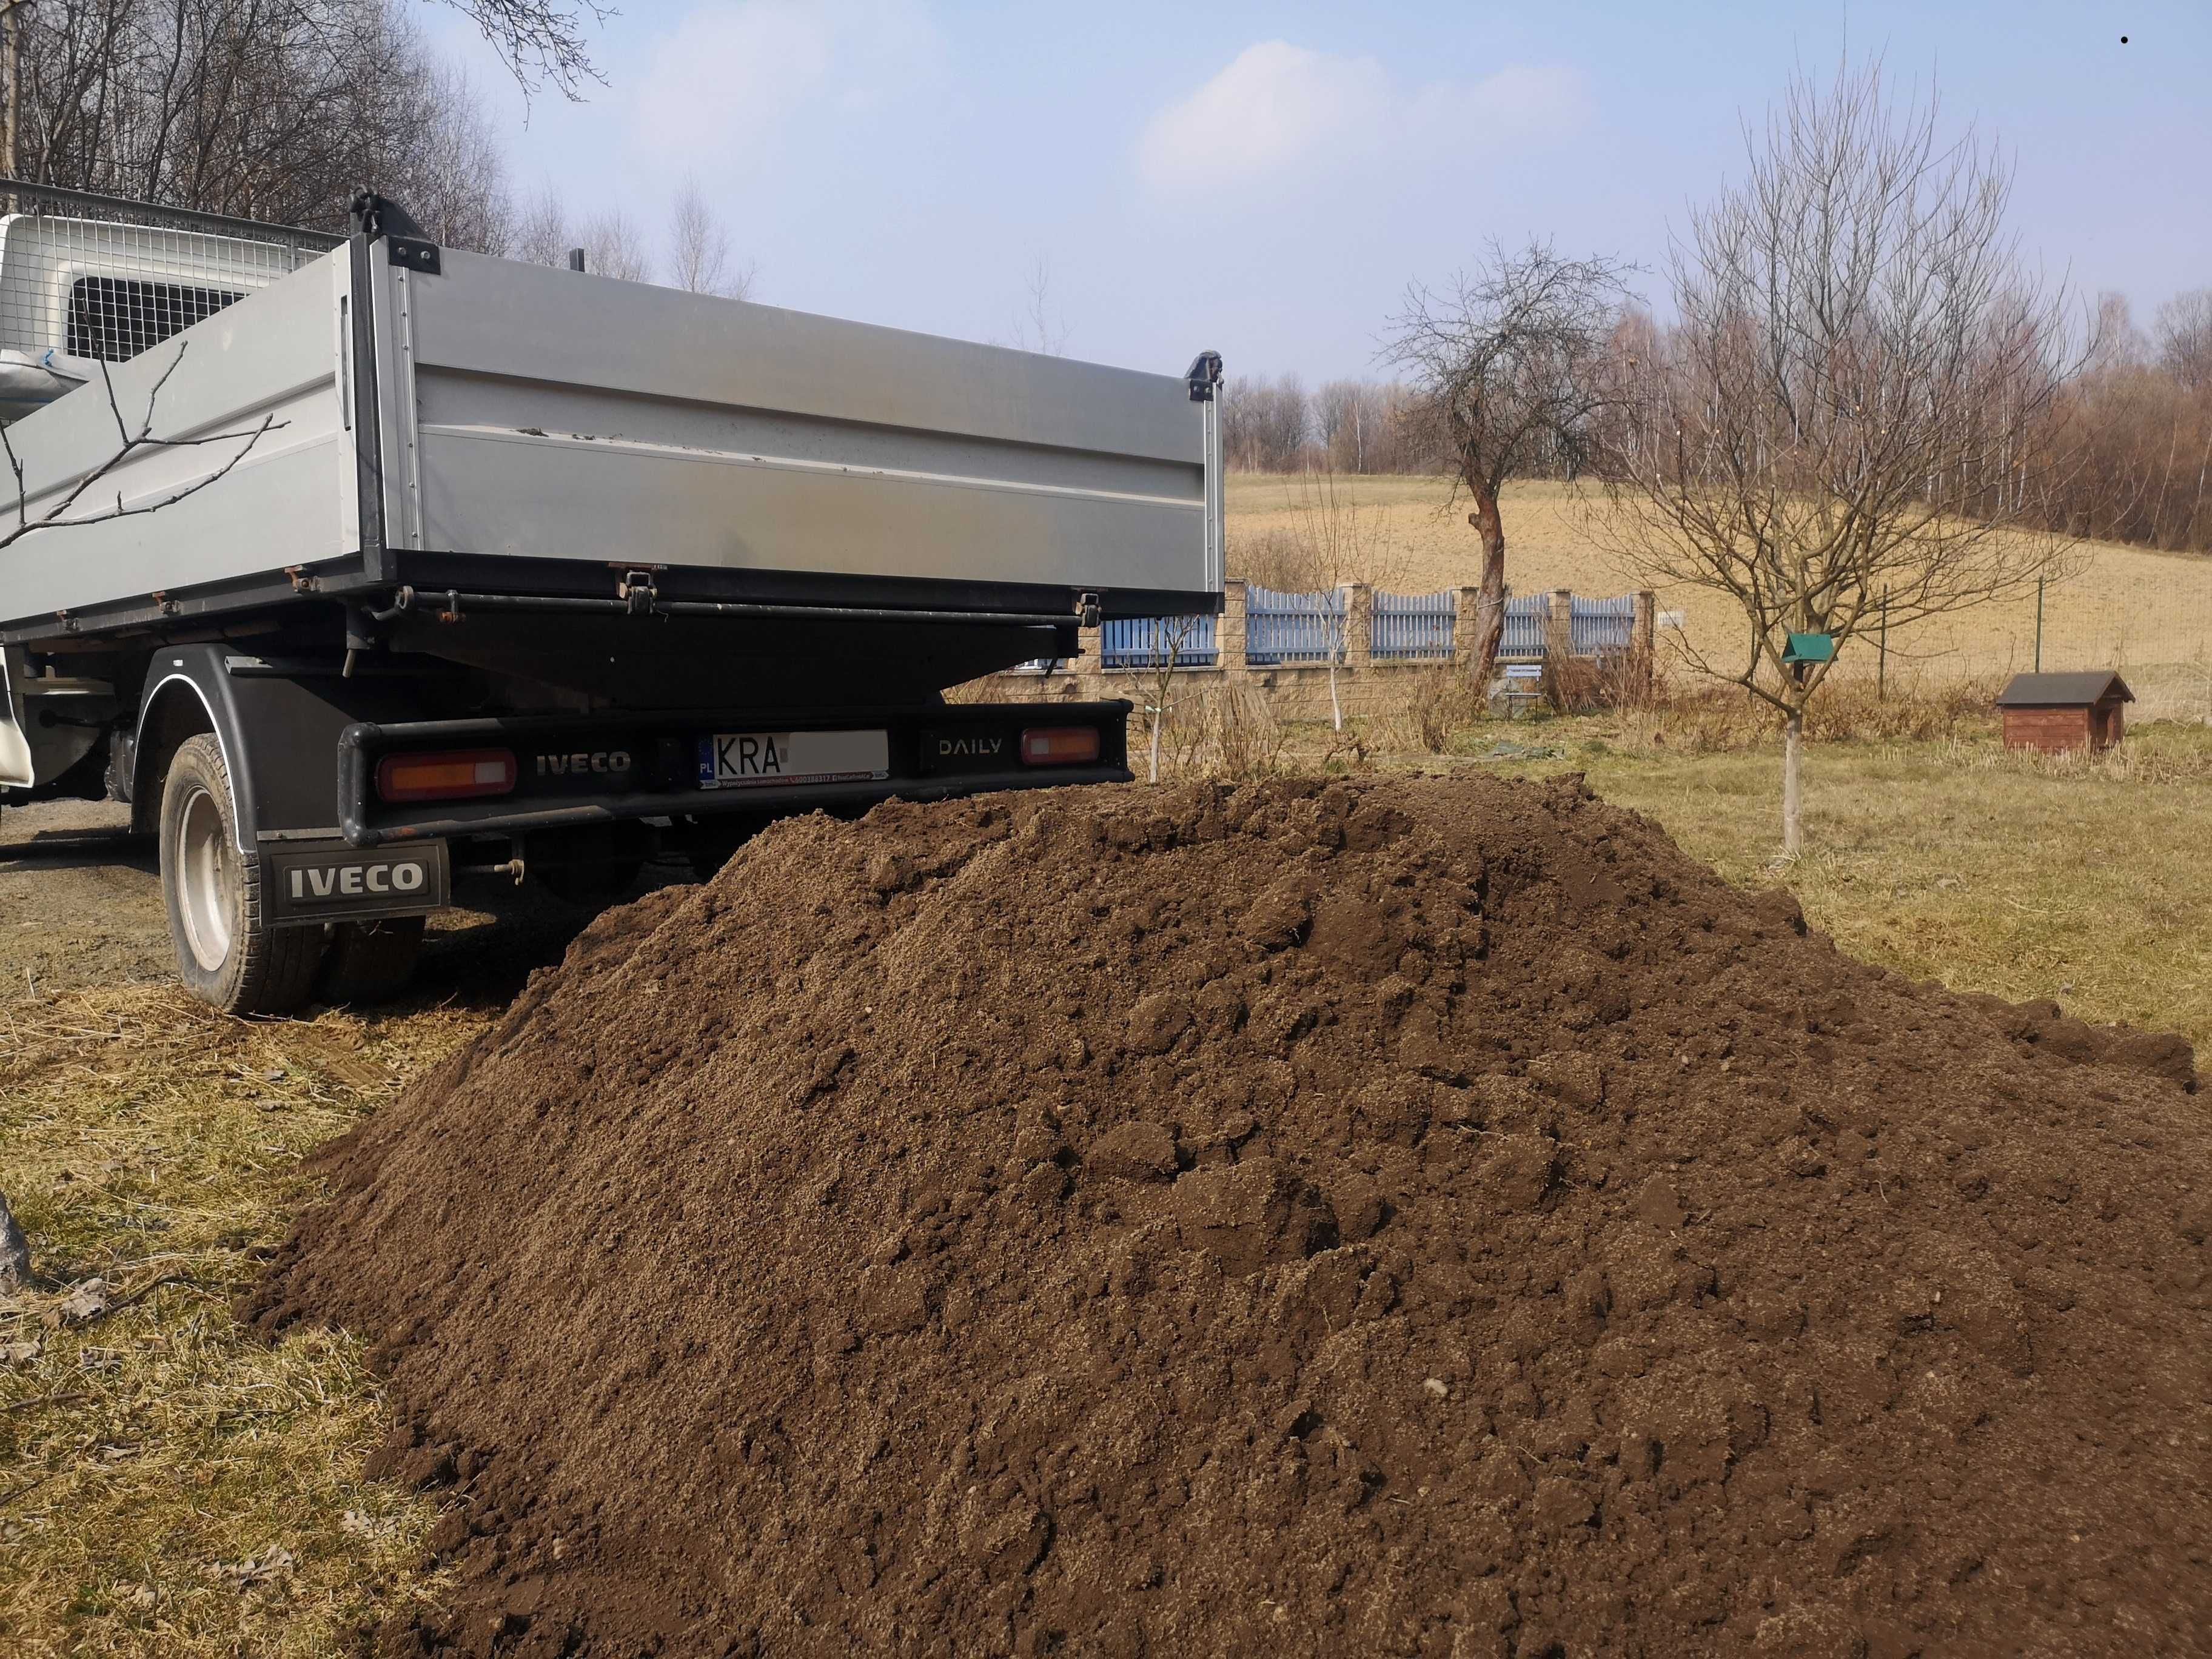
column 2143, row 411
column 2134, row 425
column 1347, row 426
column 261, row 109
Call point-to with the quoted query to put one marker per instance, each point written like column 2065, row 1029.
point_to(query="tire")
column 227, row 952
column 371, row 962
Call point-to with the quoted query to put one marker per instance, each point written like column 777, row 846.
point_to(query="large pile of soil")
column 1426, row 1218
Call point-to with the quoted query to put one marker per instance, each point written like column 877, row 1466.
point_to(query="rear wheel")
column 371, row 961
column 227, row 952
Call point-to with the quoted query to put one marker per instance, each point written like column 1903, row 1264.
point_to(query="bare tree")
column 1354, row 426
column 1333, row 544
column 1038, row 326
column 454, row 180
column 1173, row 645
column 542, row 41
column 64, row 512
column 262, row 109
column 1509, row 368
column 1265, row 423
column 615, row 247
column 2185, row 338
column 541, row 234
column 1852, row 414
column 612, row 244
column 700, row 260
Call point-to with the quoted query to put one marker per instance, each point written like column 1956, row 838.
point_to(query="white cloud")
column 732, row 74
column 1280, row 111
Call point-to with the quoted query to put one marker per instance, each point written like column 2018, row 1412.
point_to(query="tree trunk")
column 1490, row 603
column 1793, row 783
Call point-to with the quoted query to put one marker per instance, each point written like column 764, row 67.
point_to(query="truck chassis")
column 328, row 746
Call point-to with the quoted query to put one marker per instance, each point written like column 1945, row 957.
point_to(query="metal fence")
column 1280, row 627
column 1148, row 641
column 1527, row 622
column 1412, row 627
column 1595, row 627
column 91, row 276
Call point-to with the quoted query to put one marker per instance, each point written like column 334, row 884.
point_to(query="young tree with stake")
column 1334, row 544
column 1856, row 403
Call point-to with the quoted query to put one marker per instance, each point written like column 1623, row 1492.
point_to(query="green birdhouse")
column 1809, row 648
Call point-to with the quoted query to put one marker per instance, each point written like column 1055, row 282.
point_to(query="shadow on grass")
column 82, row 850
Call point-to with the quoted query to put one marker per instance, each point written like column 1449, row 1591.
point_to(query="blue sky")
column 1263, row 180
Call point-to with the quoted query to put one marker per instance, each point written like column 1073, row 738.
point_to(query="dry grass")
column 1946, row 857
column 1935, row 851
column 157, row 1459
column 2146, row 613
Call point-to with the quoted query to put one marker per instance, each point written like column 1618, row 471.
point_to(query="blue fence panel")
column 1601, row 625
column 1148, row 641
column 1525, row 622
column 1281, row 627
column 1412, row 627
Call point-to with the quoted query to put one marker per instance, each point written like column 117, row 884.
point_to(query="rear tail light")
column 1060, row 745
column 453, row 775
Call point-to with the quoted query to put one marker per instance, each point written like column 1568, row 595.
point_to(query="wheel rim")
column 203, row 880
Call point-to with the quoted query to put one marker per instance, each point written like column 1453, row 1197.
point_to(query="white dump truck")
column 362, row 567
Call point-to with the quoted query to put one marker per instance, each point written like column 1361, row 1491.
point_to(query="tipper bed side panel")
column 569, row 417
column 272, row 357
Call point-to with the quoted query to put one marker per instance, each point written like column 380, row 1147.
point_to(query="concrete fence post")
column 1559, row 626
column 1229, row 628
column 1358, row 624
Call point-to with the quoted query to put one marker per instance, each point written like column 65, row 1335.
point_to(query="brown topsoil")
column 1417, row 1218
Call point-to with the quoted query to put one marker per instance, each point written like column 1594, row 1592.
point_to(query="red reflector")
column 1060, row 745
column 449, row 775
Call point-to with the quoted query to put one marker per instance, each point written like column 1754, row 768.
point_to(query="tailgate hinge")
column 415, row 254
column 637, row 587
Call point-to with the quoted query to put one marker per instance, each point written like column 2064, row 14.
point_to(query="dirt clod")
column 1395, row 1218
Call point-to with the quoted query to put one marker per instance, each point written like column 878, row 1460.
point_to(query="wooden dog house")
column 2055, row 713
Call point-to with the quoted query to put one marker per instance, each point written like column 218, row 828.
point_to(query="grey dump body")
column 527, row 429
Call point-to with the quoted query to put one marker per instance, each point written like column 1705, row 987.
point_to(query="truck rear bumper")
column 575, row 770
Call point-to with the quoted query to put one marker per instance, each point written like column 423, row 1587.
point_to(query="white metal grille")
column 83, row 277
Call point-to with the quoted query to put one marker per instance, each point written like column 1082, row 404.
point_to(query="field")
column 2148, row 615
column 169, row 1487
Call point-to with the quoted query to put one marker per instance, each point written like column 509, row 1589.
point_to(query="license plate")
column 743, row 760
